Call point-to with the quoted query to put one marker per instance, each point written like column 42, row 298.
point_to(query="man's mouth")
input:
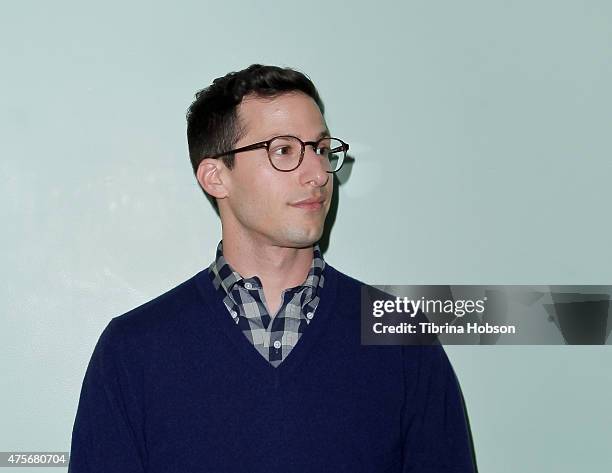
column 312, row 203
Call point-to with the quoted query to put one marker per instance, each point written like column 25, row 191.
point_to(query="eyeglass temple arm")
column 263, row 144
column 345, row 146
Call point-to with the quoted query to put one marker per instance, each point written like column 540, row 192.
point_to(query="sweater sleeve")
column 434, row 424
column 108, row 431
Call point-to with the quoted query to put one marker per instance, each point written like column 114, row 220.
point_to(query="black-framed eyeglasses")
column 286, row 152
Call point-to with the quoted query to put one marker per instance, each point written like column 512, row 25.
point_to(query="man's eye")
column 323, row 150
column 282, row 151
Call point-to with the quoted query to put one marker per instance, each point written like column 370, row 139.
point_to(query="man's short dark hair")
column 212, row 121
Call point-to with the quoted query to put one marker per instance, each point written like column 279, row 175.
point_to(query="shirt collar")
column 225, row 276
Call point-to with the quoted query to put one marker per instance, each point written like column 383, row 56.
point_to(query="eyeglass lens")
column 285, row 152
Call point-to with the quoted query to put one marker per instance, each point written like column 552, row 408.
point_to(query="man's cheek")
column 267, row 209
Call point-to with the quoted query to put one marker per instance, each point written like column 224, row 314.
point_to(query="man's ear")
column 209, row 175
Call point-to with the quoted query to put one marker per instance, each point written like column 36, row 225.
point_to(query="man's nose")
column 314, row 168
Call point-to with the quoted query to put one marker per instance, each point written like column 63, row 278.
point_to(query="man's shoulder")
column 162, row 313
column 348, row 285
column 352, row 294
column 343, row 278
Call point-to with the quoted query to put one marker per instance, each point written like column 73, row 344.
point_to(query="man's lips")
column 313, row 203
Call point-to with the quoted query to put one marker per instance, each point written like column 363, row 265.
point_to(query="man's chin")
column 301, row 238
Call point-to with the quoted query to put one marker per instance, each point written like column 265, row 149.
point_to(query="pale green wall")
column 481, row 132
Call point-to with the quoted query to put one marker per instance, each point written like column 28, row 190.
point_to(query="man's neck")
column 277, row 267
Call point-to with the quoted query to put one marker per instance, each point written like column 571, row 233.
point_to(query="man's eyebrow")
column 323, row 134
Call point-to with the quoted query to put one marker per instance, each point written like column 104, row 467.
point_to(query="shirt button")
column 310, row 315
column 277, row 344
column 248, row 285
column 234, row 314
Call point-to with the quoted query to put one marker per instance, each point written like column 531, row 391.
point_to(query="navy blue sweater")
column 174, row 386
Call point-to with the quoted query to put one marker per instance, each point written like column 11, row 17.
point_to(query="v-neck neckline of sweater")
column 219, row 318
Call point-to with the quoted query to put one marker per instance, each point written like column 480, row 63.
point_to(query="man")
column 255, row 363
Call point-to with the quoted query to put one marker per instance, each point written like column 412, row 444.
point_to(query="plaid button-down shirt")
column 244, row 298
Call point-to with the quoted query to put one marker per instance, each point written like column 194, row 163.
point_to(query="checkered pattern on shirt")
column 274, row 337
